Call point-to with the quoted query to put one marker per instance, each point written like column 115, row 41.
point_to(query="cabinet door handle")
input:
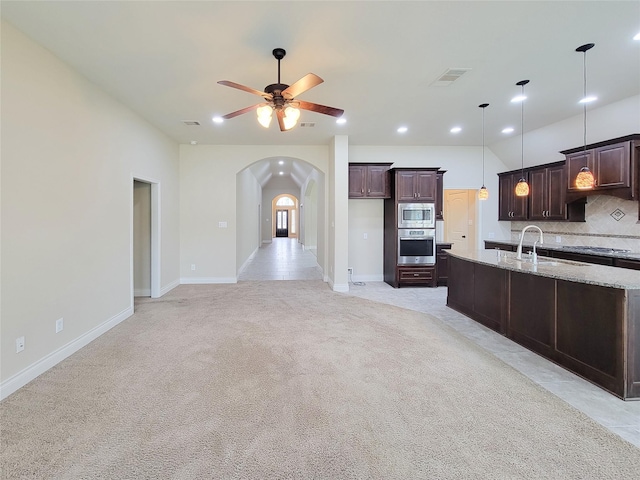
column 369, row 191
column 362, row 190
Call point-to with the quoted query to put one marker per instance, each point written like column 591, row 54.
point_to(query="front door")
column 282, row 223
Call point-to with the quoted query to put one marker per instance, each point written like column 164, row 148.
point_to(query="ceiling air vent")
column 307, row 124
column 449, row 76
column 191, row 123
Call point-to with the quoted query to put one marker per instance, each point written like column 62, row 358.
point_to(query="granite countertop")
column 580, row 272
column 574, row 249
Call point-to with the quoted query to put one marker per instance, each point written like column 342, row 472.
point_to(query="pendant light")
column 483, row 193
column 522, row 188
column 585, row 179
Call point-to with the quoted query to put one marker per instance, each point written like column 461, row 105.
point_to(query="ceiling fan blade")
column 280, row 115
column 240, row 112
column 314, row 107
column 227, row 83
column 307, row 82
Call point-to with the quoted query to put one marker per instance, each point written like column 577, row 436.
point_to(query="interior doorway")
column 145, row 238
column 460, row 226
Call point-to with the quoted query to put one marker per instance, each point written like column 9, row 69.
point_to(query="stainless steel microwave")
column 416, row 215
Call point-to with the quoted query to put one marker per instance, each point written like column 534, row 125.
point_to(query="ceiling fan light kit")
column 281, row 98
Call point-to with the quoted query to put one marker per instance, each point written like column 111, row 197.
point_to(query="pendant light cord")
column 522, row 134
column 584, row 96
column 483, row 146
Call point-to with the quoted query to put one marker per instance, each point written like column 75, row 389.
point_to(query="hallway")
column 282, row 259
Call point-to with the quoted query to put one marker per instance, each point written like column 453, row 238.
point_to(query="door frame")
column 155, row 235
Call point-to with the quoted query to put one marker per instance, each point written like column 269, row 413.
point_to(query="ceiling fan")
column 281, row 98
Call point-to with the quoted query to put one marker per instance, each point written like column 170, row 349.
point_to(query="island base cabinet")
column 531, row 312
column 478, row 291
column 589, row 329
column 590, row 333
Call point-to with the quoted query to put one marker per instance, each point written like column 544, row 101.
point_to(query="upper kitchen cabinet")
column 547, row 192
column 369, row 180
column 415, row 185
column 440, row 194
column 510, row 206
column 614, row 164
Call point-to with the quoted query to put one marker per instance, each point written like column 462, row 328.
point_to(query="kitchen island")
column 581, row 316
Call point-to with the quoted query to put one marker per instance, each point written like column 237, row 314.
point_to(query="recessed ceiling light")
column 281, row 173
column 507, row 130
column 456, row 130
column 588, row 99
column 193, row 142
column 518, row 98
column 341, row 121
column 217, row 119
column 637, row 36
column 402, row 129
column 281, row 162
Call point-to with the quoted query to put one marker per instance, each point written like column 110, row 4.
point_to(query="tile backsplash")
column 610, row 222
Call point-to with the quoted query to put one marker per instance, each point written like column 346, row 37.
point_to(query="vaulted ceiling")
column 379, row 61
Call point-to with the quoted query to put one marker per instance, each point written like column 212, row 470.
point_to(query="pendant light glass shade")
column 585, row 179
column 522, row 188
column 483, row 193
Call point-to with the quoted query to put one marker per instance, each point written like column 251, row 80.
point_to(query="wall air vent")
column 307, row 124
column 449, row 76
column 191, row 123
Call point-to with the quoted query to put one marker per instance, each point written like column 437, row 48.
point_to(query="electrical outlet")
column 350, row 271
column 19, row 344
column 558, row 239
column 193, row 266
column 59, row 325
column 365, row 236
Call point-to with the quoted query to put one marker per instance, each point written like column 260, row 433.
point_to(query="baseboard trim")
column 169, row 287
column 367, row 278
column 206, row 280
column 20, row 379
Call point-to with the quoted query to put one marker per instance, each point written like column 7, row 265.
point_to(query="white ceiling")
column 378, row 60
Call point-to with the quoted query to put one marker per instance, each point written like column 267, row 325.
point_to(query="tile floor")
column 284, row 259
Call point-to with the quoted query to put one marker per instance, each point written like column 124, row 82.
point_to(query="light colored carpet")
column 264, row 380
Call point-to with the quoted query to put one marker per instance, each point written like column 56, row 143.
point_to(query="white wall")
column 207, row 192
column 543, row 145
column 248, row 202
column 69, row 156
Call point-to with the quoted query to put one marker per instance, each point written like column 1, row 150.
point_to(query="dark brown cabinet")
column 547, row 193
column 422, row 276
column 610, row 166
column 440, row 195
column 614, row 163
column 369, row 180
column 442, row 263
column 510, row 206
column 415, row 185
column 591, row 330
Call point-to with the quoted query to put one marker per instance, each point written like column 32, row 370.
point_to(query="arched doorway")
column 285, row 216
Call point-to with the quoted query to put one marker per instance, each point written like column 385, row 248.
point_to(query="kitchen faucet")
column 535, row 257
